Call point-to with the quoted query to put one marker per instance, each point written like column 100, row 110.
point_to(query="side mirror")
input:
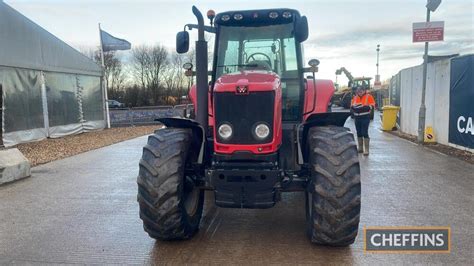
column 182, row 42
column 301, row 29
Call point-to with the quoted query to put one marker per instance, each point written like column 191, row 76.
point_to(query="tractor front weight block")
column 235, row 188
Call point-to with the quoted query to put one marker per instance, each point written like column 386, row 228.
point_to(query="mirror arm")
column 193, row 73
column 309, row 69
column 206, row 28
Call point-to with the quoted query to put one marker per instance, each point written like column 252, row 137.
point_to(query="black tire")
column 334, row 192
column 170, row 205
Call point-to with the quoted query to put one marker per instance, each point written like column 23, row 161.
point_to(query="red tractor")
column 261, row 129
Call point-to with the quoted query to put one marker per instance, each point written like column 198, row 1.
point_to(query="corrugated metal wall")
column 436, row 101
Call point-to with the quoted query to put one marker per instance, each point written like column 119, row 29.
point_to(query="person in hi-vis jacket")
column 361, row 106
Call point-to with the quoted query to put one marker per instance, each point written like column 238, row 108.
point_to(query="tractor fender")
column 318, row 120
column 199, row 140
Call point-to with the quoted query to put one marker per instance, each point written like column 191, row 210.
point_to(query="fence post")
column 44, row 103
column 1, row 115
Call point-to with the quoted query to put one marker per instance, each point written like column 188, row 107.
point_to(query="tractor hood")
column 248, row 81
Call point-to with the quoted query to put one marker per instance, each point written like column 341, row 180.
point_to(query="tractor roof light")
column 313, row 62
column 273, row 15
column 286, row 14
column 225, row 17
column 238, row 16
column 211, row 14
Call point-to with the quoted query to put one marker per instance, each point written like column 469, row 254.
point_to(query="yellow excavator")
column 343, row 95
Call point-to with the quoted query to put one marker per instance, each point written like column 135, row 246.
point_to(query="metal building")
column 48, row 88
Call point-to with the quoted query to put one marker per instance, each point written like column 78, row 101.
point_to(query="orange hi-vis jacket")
column 365, row 100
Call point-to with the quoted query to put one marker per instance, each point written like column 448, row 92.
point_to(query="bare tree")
column 174, row 78
column 140, row 64
column 178, row 61
column 157, row 75
column 190, row 57
column 114, row 74
column 147, row 64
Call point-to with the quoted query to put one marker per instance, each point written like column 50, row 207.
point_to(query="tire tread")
column 160, row 186
column 335, row 184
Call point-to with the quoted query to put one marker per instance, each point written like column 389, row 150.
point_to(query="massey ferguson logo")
column 242, row 90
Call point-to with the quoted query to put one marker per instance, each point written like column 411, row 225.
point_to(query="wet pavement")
column 83, row 210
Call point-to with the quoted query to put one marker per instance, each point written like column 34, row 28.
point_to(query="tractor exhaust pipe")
column 202, row 86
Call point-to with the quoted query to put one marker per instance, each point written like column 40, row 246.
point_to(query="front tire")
column 170, row 203
column 334, row 192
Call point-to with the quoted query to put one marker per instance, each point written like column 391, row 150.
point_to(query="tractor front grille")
column 243, row 113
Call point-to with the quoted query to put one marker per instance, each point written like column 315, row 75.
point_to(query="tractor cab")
column 264, row 40
column 255, row 41
column 363, row 82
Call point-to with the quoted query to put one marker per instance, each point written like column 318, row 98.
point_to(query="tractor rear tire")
column 334, row 191
column 170, row 204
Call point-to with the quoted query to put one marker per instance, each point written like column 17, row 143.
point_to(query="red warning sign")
column 428, row 31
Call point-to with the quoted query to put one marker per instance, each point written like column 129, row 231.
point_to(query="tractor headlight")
column 262, row 131
column 225, row 131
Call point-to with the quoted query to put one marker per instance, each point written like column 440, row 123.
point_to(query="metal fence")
column 147, row 115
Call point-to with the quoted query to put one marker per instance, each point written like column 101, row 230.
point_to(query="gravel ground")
column 54, row 149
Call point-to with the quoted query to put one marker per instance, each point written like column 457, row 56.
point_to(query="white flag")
column 111, row 43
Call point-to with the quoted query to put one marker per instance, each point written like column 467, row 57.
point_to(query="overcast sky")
column 342, row 33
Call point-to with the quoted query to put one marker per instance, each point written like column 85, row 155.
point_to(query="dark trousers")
column 362, row 126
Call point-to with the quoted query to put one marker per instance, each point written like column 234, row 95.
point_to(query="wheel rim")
column 191, row 196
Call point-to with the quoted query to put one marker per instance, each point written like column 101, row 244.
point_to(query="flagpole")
column 104, row 79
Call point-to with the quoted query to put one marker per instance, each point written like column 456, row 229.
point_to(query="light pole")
column 377, row 76
column 430, row 7
column 378, row 50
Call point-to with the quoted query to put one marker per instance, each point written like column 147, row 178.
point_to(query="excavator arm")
column 347, row 73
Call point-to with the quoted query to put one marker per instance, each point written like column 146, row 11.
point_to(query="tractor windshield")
column 271, row 48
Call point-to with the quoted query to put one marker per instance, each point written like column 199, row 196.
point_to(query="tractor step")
column 235, row 188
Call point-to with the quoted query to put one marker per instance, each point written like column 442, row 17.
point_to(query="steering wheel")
column 252, row 56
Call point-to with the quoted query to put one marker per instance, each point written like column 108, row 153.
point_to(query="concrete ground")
column 83, row 210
